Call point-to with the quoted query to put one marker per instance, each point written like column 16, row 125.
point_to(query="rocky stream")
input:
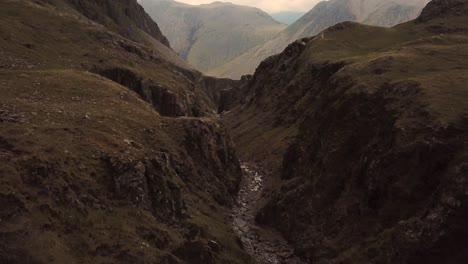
column 264, row 245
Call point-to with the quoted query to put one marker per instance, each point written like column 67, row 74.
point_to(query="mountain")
column 362, row 135
column 128, row 20
column 107, row 141
column 287, row 18
column 347, row 147
column 323, row 15
column 210, row 35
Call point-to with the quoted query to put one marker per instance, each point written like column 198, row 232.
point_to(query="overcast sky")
column 270, row 6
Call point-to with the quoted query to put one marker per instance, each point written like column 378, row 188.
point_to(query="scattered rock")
column 265, row 246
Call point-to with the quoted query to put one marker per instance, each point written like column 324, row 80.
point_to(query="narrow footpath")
column 266, row 246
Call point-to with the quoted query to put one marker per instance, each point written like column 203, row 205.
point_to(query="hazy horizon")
column 270, row 6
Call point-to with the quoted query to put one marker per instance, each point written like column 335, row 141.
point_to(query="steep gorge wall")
column 355, row 173
column 370, row 148
column 102, row 155
column 156, row 74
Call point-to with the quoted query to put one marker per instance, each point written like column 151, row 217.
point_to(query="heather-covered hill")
column 107, row 141
column 364, row 132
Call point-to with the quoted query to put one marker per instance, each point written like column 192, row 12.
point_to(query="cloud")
column 270, row 6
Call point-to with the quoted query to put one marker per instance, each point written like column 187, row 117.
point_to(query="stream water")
column 264, row 245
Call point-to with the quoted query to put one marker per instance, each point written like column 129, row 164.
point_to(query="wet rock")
column 265, row 246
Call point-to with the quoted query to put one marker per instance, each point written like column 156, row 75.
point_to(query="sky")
column 270, row 6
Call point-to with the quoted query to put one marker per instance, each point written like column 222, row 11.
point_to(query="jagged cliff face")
column 125, row 17
column 94, row 164
column 370, row 128
column 325, row 14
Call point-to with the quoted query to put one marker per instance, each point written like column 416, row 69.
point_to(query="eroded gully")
column 264, row 245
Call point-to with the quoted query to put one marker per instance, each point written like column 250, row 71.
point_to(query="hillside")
column 323, row 15
column 125, row 17
column 287, row 18
column 362, row 135
column 347, row 147
column 107, row 139
column 210, row 35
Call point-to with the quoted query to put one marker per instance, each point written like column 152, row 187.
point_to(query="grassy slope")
column 71, row 41
column 61, row 129
column 323, row 15
column 411, row 78
column 405, row 52
column 400, row 49
column 69, row 123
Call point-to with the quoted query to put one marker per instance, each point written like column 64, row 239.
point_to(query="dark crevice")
column 162, row 99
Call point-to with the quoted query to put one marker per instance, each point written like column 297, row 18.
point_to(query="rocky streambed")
column 266, row 246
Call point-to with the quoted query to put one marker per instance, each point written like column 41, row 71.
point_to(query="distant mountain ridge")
column 209, row 35
column 325, row 14
column 287, row 18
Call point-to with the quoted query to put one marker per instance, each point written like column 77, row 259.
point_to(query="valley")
column 348, row 144
column 325, row 14
column 210, row 35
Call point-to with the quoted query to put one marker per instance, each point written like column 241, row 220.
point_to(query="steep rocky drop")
column 107, row 142
column 365, row 132
column 266, row 246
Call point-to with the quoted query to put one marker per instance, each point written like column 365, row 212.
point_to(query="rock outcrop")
column 166, row 102
column 109, row 151
column 368, row 128
column 126, row 17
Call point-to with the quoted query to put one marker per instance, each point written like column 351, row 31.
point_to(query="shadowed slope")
column 366, row 131
column 94, row 164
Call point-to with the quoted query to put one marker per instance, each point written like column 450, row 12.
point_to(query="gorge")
column 349, row 146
